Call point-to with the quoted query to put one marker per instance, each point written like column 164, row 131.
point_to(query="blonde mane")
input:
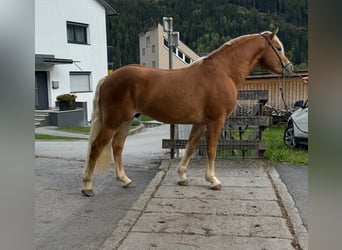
column 229, row 43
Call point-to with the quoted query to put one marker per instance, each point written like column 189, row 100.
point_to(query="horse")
column 203, row 94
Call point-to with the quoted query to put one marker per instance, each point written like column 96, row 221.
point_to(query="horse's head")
column 274, row 57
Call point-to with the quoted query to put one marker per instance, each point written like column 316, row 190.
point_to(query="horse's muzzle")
column 288, row 69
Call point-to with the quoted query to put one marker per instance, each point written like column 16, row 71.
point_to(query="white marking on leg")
column 182, row 169
column 195, row 135
column 210, row 175
column 86, row 179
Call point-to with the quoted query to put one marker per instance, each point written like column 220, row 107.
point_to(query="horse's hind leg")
column 195, row 136
column 102, row 139
column 117, row 145
column 213, row 132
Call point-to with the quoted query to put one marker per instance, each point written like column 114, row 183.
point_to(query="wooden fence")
column 242, row 133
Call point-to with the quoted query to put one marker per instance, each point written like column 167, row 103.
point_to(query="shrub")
column 66, row 98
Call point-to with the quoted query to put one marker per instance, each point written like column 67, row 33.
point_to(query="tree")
column 205, row 25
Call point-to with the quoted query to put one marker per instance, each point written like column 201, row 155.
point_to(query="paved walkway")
column 252, row 211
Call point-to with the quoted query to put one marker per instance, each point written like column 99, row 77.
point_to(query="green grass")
column 145, row 118
column 277, row 151
column 80, row 130
column 54, row 137
column 83, row 130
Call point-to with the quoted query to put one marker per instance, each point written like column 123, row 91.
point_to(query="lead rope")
column 284, row 70
column 282, row 83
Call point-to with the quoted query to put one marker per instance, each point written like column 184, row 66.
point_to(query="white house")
column 154, row 50
column 70, row 49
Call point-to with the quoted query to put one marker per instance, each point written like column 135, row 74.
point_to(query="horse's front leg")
column 195, row 136
column 117, row 146
column 213, row 132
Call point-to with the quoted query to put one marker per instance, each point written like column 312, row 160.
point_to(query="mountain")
column 204, row 25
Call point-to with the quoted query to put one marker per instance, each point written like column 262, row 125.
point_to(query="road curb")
column 136, row 130
column 132, row 216
column 52, row 131
column 300, row 231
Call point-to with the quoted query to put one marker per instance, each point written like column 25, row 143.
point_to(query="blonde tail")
column 104, row 159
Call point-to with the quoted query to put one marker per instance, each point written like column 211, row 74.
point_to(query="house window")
column 180, row 54
column 166, row 43
column 77, row 33
column 148, row 41
column 187, row 59
column 153, row 64
column 153, row 48
column 80, row 82
column 143, row 51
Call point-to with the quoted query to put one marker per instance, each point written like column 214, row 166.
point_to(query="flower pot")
column 64, row 105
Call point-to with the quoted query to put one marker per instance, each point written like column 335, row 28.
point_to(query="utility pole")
column 169, row 31
column 168, row 27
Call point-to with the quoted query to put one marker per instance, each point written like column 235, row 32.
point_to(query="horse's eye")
column 279, row 48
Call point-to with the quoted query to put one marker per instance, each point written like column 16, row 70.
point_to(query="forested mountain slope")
column 206, row 24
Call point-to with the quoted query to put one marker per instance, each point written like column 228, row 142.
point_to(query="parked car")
column 296, row 132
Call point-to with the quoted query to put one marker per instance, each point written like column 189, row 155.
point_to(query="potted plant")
column 66, row 101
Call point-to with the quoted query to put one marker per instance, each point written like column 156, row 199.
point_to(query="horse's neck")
column 239, row 58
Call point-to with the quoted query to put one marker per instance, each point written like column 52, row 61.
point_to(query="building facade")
column 70, row 49
column 154, row 50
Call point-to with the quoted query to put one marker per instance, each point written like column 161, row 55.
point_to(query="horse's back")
column 145, row 80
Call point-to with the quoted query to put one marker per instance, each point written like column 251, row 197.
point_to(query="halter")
column 284, row 66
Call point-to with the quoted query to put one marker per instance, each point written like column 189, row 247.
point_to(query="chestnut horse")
column 203, row 94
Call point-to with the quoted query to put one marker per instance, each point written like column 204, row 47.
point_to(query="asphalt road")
column 67, row 220
column 295, row 177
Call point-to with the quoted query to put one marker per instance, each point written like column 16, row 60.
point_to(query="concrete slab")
column 191, row 242
column 227, row 181
column 210, row 225
column 222, row 170
column 226, row 163
column 235, row 173
column 218, row 207
column 228, row 193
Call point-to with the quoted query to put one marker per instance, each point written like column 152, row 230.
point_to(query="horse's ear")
column 274, row 32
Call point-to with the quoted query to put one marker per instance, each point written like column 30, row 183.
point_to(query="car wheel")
column 289, row 138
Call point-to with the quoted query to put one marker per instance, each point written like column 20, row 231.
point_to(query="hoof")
column 88, row 192
column 217, row 187
column 183, row 183
column 129, row 185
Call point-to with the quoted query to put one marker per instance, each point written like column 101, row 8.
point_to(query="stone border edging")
column 300, row 231
column 131, row 217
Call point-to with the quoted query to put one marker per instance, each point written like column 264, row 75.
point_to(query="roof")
column 44, row 59
column 265, row 75
column 110, row 11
